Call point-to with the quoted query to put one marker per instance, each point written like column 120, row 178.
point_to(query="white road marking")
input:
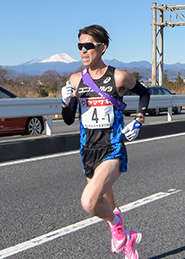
column 79, row 225
column 77, row 151
column 39, row 158
column 156, row 138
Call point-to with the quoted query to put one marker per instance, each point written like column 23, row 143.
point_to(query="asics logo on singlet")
column 107, row 79
column 89, row 89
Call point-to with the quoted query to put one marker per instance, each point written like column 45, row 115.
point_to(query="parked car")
column 155, row 90
column 22, row 125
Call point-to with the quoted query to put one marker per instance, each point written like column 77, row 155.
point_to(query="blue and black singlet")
column 101, row 125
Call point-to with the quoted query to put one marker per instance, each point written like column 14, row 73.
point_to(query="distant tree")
column 165, row 79
column 51, row 81
column 179, row 80
column 64, row 79
column 137, row 76
column 4, row 74
column 51, row 74
column 177, row 87
column 44, row 93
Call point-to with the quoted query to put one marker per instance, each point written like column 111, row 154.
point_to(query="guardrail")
column 20, row 107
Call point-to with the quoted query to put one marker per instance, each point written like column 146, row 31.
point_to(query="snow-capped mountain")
column 33, row 61
column 63, row 63
column 62, row 57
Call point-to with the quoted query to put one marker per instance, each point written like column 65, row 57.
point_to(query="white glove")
column 67, row 93
column 131, row 131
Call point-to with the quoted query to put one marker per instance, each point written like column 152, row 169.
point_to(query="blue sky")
column 41, row 28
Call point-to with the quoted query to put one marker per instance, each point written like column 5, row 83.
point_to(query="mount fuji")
column 62, row 57
column 63, row 63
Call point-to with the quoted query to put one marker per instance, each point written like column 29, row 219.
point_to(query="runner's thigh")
column 104, row 176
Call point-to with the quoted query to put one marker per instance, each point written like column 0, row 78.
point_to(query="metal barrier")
column 20, row 107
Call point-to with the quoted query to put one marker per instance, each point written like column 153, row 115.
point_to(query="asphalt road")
column 42, row 195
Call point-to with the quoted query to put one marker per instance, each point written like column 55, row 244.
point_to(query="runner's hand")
column 67, row 93
column 131, row 131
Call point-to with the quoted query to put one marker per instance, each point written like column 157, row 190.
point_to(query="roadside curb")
column 161, row 129
column 38, row 146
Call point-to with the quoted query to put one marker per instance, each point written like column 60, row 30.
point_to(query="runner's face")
column 90, row 57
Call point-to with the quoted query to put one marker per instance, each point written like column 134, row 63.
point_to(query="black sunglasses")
column 88, row 45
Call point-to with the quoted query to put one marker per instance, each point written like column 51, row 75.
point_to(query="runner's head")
column 98, row 33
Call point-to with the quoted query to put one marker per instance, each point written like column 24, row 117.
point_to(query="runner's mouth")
column 85, row 58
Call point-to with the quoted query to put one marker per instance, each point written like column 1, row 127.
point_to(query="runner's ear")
column 104, row 48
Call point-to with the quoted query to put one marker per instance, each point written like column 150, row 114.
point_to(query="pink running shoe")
column 134, row 238
column 119, row 236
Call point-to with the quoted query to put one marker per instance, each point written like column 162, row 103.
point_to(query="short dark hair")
column 97, row 32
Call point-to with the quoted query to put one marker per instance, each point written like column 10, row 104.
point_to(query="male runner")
column 103, row 152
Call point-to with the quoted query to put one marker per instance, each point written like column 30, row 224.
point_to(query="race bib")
column 96, row 113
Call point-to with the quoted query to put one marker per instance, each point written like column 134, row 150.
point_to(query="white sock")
column 115, row 221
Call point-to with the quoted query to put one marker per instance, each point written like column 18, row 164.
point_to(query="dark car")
column 21, row 125
column 154, row 90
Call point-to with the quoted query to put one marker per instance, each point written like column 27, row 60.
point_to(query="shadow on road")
column 173, row 252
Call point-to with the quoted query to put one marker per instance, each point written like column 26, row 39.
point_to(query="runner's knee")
column 89, row 204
